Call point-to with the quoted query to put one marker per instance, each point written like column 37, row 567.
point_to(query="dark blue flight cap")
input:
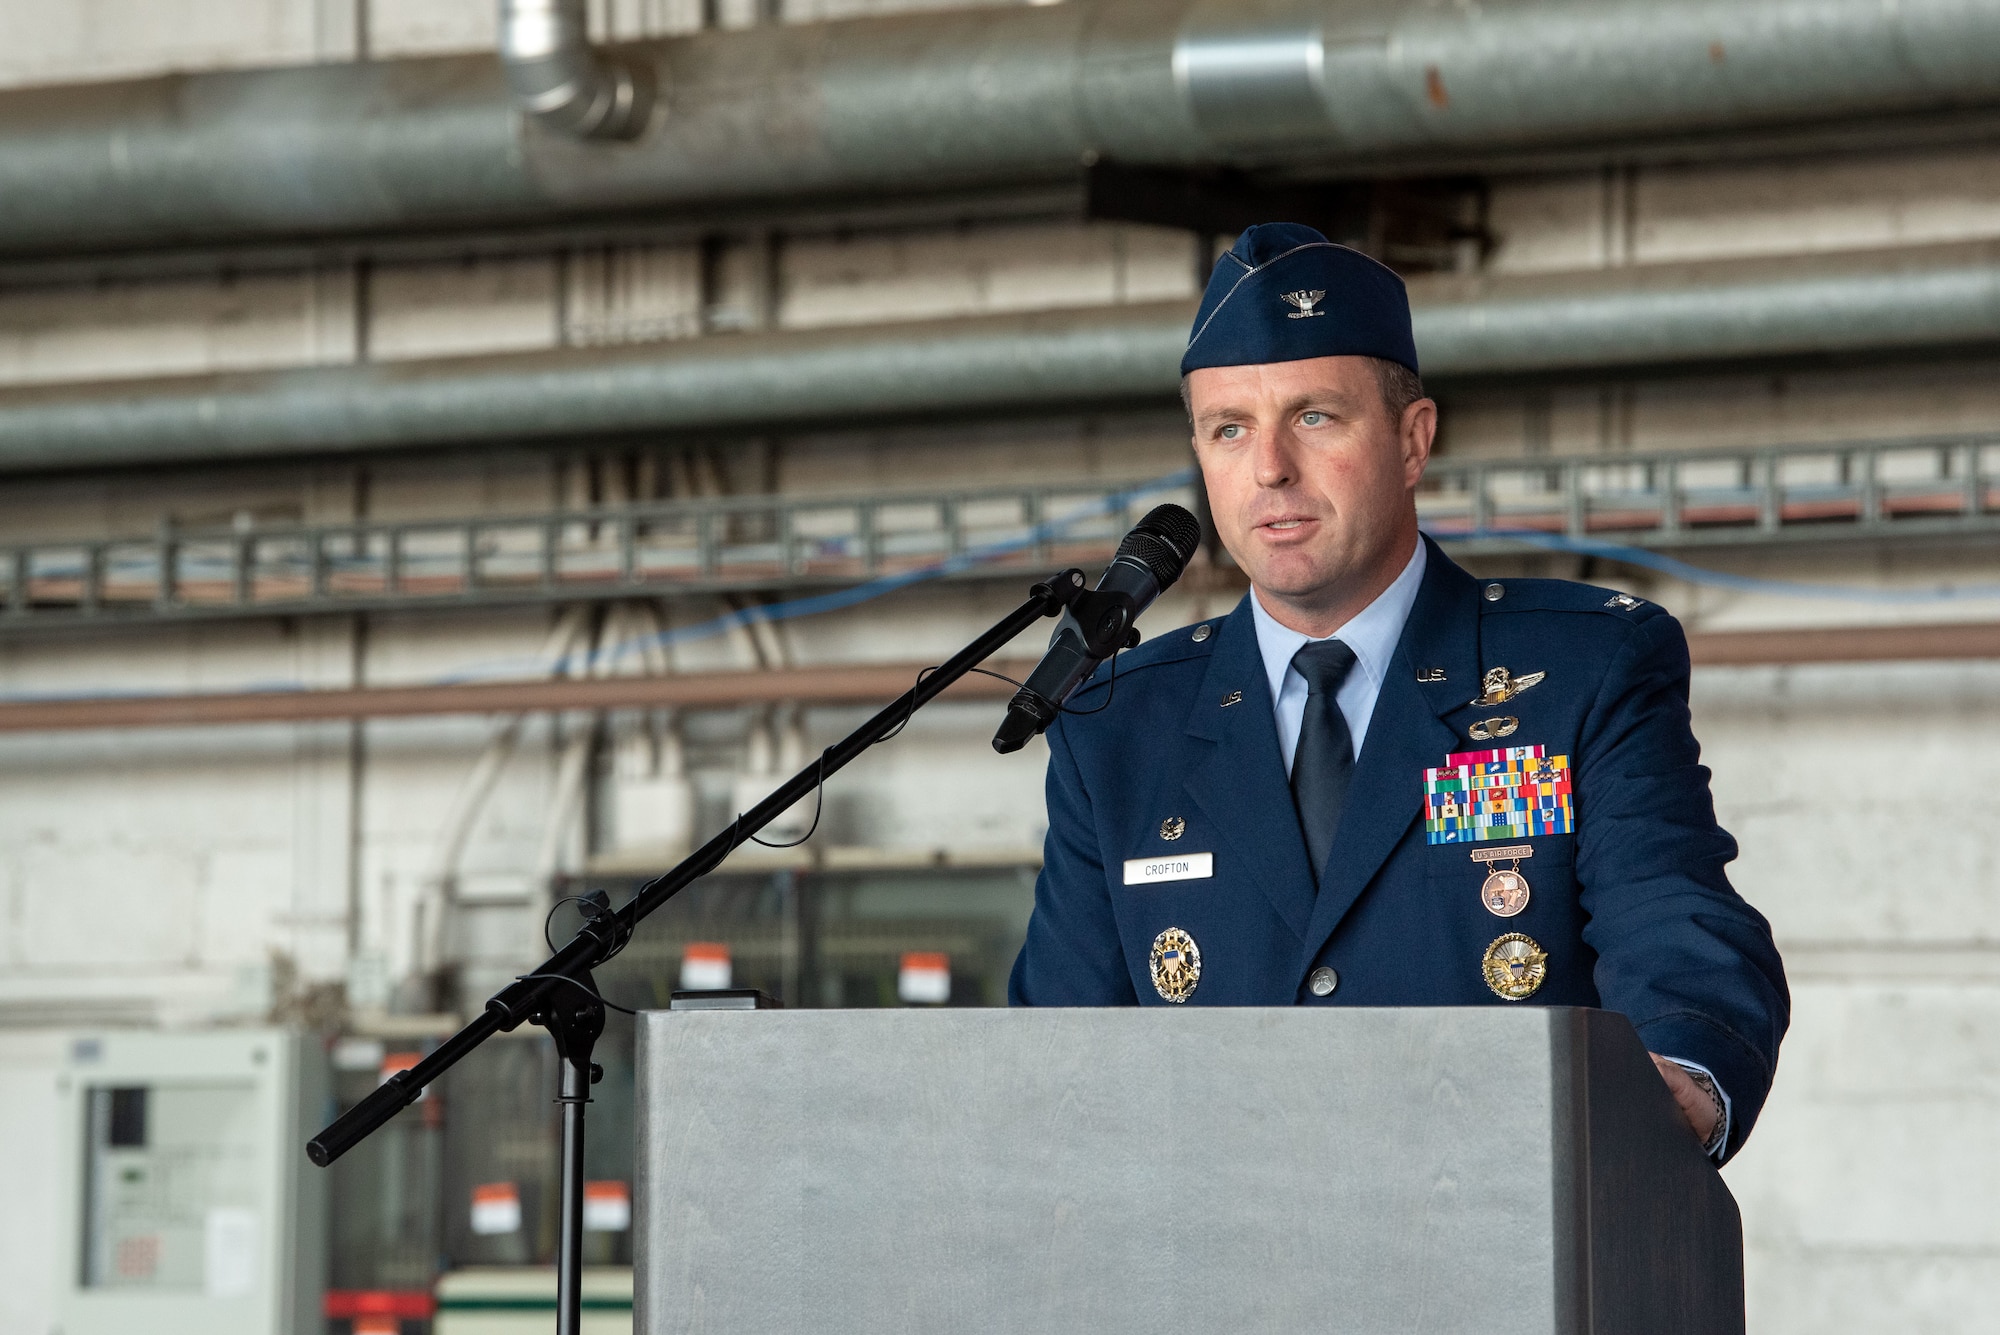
column 1284, row 293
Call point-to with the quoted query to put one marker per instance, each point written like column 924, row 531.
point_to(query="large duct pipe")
column 785, row 114
column 1626, row 318
column 561, row 81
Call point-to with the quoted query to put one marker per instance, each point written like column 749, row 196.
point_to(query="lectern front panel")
column 1164, row 1171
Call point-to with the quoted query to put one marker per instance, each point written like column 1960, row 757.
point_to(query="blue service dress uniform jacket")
column 1634, row 908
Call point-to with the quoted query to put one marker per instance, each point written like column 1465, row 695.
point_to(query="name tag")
column 1186, row 867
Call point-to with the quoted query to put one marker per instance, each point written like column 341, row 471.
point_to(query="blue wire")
column 1722, row 579
column 838, row 599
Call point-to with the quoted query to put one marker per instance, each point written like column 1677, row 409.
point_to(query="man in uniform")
column 1380, row 781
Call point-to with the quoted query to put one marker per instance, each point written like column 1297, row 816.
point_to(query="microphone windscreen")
column 1164, row 542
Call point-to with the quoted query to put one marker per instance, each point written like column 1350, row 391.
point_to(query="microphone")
column 1098, row 623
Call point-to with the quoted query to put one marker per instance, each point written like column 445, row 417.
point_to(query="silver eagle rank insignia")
column 1305, row 301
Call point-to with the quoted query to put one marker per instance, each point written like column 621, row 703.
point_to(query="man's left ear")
column 1419, row 431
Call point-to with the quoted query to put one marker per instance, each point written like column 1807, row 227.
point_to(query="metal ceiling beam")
column 794, row 114
column 851, row 685
column 1472, row 327
column 869, row 684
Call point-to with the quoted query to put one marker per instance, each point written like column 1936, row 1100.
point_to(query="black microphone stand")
column 561, row 996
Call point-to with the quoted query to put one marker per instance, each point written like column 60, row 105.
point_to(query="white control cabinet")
column 191, row 1208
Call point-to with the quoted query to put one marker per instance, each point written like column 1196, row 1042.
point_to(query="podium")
column 1167, row 1170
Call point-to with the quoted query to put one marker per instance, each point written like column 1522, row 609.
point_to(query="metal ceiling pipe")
column 1937, row 297
column 560, row 80
column 784, row 115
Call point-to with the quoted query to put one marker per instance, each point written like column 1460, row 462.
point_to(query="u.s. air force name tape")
column 1183, row 867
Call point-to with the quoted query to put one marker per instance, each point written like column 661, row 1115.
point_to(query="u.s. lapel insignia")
column 1175, row 965
column 1493, row 729
column 1499, row 686
column 1430, row 674
column 1515, row 966
column 1233, row 698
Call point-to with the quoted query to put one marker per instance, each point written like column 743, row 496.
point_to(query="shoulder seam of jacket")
column 1627, row 615
column 1165, row 660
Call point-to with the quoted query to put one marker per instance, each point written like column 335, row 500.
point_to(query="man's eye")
column 1311, row 418
column 1230, row 432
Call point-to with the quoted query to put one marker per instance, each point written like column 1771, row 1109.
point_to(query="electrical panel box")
column 192, row 1208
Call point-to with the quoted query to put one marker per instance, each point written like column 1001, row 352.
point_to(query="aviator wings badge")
column 1500, row 686
column 1305, row 301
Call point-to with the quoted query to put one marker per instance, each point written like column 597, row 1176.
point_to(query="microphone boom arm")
column 600, row 938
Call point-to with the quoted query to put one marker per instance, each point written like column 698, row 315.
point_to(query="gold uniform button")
column 1322, row 981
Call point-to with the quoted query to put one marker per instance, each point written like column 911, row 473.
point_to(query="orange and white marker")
column 607, row 1207
column 925, row 978
column 705, row 967
column 496, row 1208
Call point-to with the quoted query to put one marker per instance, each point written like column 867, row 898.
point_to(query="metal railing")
column 1859, row 490
column 712, row 546
column 1948, row 485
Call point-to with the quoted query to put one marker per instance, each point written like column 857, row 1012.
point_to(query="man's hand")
column 1696, row 1106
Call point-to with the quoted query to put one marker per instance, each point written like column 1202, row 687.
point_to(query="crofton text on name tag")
column 1186, row 867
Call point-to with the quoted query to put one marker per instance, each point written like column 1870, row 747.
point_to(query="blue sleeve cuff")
column 1741, row 1074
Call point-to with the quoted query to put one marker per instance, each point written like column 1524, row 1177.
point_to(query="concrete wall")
column 183, row 876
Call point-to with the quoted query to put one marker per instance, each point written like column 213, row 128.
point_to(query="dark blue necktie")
column 1324, row 761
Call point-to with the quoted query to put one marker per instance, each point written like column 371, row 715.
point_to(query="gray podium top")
column 1169, row 1170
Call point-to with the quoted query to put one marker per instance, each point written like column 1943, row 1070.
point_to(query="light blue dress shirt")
column 1372, row 635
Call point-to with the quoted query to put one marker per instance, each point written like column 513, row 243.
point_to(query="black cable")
column 595, row 995
column 997, row 676
column 911, row 712
column 819, row 806
column 1110, row 694
column 595, row 908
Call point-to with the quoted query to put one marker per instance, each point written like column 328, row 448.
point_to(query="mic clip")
column 1096, row 623
column 1102, row 618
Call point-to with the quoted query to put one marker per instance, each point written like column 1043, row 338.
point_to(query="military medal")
column 1514, row 966
column 1176, row 965
column 1505, row 891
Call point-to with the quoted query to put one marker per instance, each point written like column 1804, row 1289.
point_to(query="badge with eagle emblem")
column 1305, row 301
column 1175, row 965
column 1514, row 966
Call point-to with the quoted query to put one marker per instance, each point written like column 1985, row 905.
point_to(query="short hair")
column 1400, row 388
